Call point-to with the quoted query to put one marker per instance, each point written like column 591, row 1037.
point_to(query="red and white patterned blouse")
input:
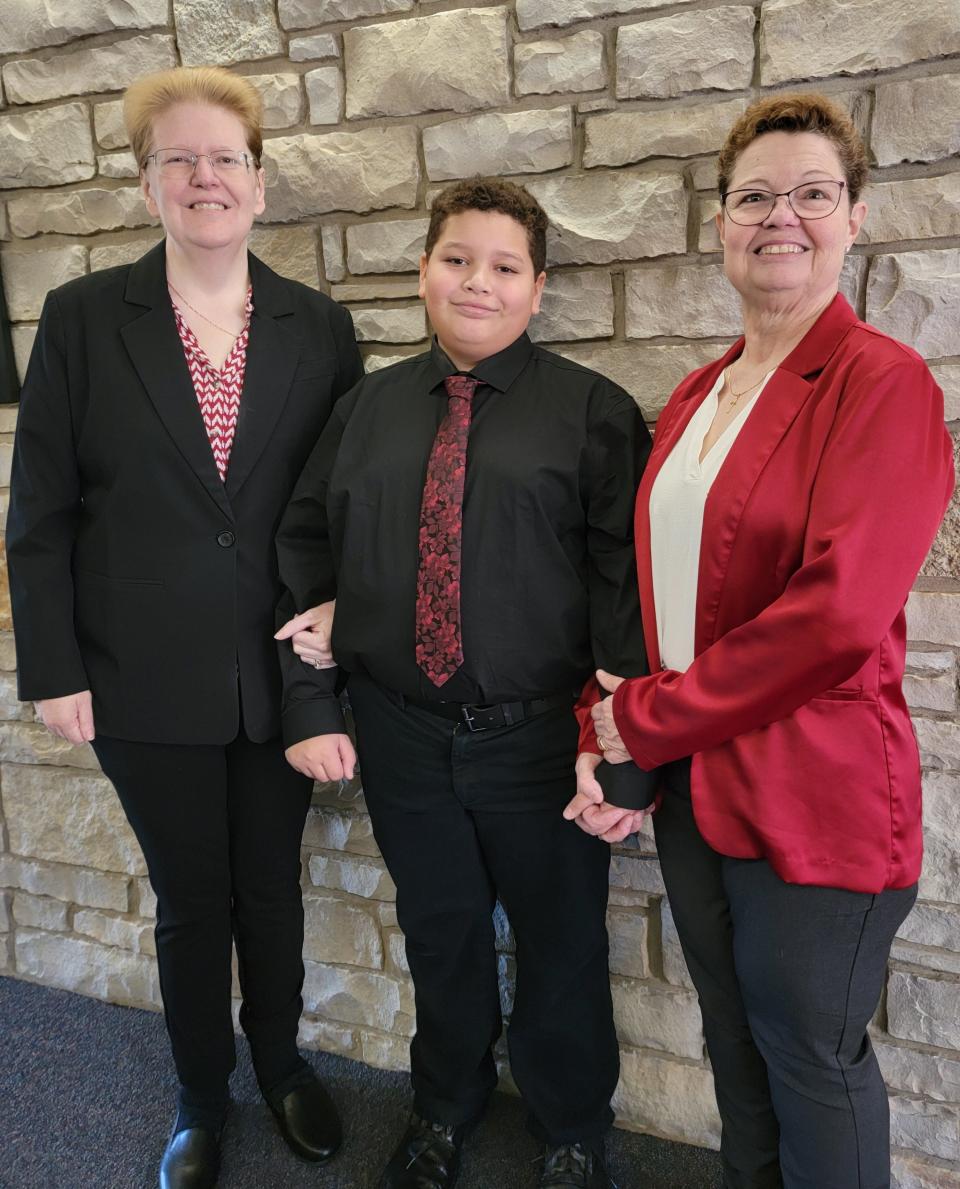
column 218, row 390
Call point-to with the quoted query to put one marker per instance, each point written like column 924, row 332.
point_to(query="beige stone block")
column 318, row 45
column 655, row 1016
column 689, row 300
column 66, row 816
column 397, row 949
column 282, row 98
column 926, row 1127
column 119, row 931
column 939, row 741
column 376, row 290
column 708, row 237
column 339, row 931
column 674, row 964
column 79, row 212
column 29, row 276
column 417, row 65
column 11, row 708
column 563, row 64
column 703, row 174
column 914, row 1172
column 301, row 14
column 930, row 682
column 395, row 246
column 917, row 120
column 40, row 912
column 628, row 930
column 636, row 874
column 924, row 1008
column 668, row 1097
column 110, row 255
column 601, row 217
column 225, row 31
column 342, row 830
column 531, row 14
column 576, row 305
column 918, row 208
column 319, row 1034
column 30, row 743
column 341, row 171
column 619, row 137
column 8, row 652
column 914, row 296
column 649, row 374
column 46, row 148
column 918, row 1071
column 358, row 876
column 943, row 560
column 117, row 165
column 6, row 919
column 934, row 618
column 8, row 419
column 23, row 338
column 352, row 996
column 145, row 899
column 390, row 324
column 75, row 964
column 84, row 70
column 940, row 878
column 108, row 125
column 325, row 94
column 695, row 51
column 500, row 143
column 908, row 954
column 32, row 24
column 947, row 375
column 6, row 461
column 99, row 889
column 383, row 1051
column 374, row 363
column 803, row 39
column 331, row 239
column 289, row 251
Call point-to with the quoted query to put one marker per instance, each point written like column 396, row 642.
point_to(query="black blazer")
column 134, row 571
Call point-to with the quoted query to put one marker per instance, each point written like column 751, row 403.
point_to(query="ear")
column 538, row 285
column 424, row 261
column 260, row 202
column 147, row 192
column 721, row 227
column 858, row 212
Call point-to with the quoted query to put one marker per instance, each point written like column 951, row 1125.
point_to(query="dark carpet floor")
column 85, row 1103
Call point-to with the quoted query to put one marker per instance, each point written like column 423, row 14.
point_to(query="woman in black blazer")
column 167, row 411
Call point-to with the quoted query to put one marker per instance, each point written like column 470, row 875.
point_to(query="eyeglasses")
column 182, row 163
column 812, row 200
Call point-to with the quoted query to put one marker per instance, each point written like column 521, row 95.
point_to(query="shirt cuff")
column 626, row 785
column 306, row 720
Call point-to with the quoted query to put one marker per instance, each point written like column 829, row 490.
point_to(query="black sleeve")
column 350, row 363
column 45, row 509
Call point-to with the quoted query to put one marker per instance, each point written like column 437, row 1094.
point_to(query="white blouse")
column 677, row 500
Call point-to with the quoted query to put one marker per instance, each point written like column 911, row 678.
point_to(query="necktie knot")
column 462, row 386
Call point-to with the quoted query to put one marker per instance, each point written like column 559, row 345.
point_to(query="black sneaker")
column 428, row 1157
column 574, row 1166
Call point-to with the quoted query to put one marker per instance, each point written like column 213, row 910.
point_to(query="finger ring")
column 603, row 746
column 316, row 664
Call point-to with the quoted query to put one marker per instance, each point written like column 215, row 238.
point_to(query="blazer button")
column 226, row 539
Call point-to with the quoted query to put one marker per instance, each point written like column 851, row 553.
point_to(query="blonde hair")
column 797, row 112
column 148, row 97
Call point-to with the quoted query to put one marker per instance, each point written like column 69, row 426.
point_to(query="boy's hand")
column 311, row 633
column 324, row 757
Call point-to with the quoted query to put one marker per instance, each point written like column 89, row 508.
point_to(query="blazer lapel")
column 272, row 356
column 157, row 354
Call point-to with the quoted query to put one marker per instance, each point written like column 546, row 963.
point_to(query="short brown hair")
column 797, row 112
column 492, row 194
column 148, row 97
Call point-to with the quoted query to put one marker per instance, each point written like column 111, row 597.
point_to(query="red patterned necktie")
column 438, row 638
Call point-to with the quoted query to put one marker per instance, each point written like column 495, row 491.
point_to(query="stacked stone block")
column 612, row 112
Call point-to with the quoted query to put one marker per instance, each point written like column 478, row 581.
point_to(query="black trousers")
column 462, row 819
column 220, row 829
column 788, row 978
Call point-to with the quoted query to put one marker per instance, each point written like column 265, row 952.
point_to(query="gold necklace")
column 223, row 330
column 736, row 395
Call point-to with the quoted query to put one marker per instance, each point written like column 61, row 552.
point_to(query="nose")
column 203, row 173
column 781, row 213
column 479, row 280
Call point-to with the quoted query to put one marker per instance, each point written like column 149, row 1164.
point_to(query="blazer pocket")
column 92, row 574
column 313, row 369
column 840, row 693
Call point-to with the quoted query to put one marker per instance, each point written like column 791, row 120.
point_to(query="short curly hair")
column 492, row 194
column 797, row 112
column 150, row 96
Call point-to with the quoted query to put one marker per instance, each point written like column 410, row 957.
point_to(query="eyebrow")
column 454, row 246
column 749, row 183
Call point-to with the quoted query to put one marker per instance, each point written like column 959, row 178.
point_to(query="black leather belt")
column 499, row 714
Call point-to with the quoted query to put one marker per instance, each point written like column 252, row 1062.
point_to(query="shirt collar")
column 498, row 371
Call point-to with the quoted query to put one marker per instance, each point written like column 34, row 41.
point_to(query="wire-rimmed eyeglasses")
column 182, row 162
column 811, row 200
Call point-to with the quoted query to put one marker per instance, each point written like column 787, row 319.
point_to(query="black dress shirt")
column 548, row 572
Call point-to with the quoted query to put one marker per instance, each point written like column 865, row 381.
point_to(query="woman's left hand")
column 602, row 714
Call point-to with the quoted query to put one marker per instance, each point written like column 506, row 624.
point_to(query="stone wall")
column 612, row 112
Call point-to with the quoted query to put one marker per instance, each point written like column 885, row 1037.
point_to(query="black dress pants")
column 220, row 828
column 788, row 978
column 464, row 818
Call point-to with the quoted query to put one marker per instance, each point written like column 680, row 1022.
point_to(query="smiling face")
column 205, row 209
column 479, row 285
column 786, row 260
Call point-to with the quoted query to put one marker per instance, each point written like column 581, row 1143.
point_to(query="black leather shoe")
column 308, row 1121
column 192, row 1160
column 428, row 1157
column 574, row 1166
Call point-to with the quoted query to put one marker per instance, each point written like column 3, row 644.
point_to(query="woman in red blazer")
column 793, row 491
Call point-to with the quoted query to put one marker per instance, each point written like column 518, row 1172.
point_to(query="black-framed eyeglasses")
column 811, row 200
column 182, row 162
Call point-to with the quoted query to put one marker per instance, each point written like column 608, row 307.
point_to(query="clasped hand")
column 311, row 634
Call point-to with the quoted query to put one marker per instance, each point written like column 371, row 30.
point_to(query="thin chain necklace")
column 223, row 330
column 736, row 395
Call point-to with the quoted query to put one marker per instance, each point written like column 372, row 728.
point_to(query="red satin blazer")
column 802, row 748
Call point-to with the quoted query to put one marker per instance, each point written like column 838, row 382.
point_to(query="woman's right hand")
column 311, row 632
column 70, row 718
